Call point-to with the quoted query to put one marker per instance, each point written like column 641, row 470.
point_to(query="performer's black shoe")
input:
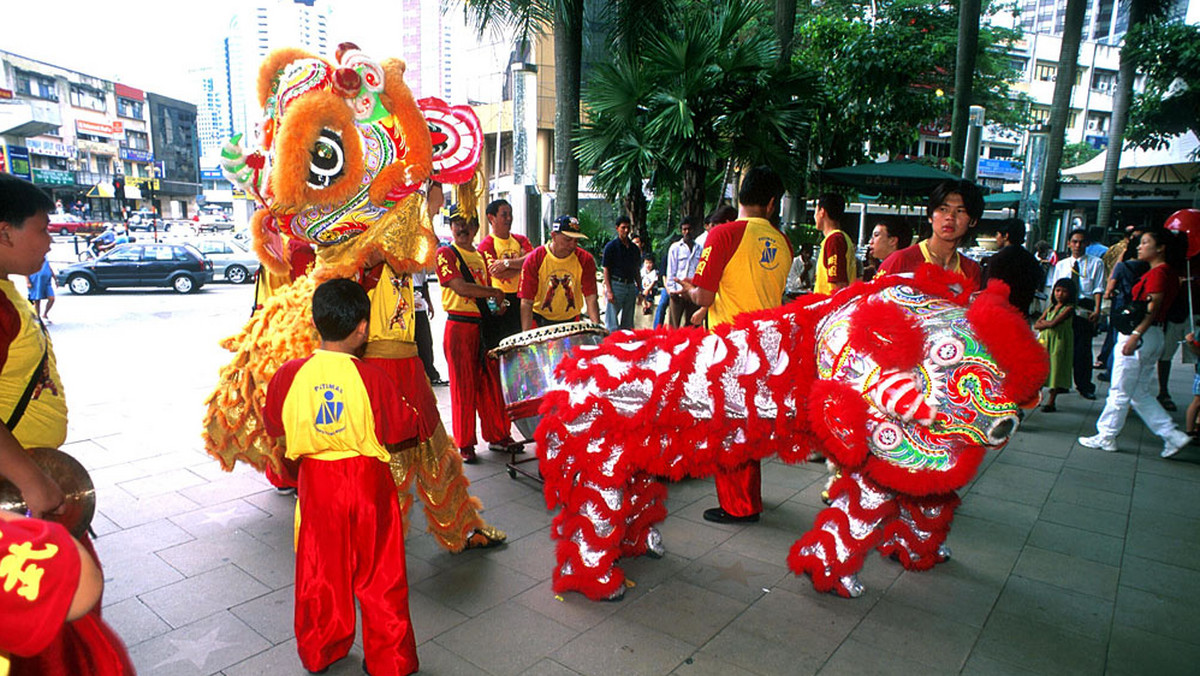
column 718, row 515
column 506, row 446
column 468, row 455
column 1090, row 396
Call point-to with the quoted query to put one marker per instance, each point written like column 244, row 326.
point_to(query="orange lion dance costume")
column 345, row 153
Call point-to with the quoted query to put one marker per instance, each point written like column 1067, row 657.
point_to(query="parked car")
column 215, row 222
column 143, row 219
column 232, row 259
column 70, row 224
column 179, row 266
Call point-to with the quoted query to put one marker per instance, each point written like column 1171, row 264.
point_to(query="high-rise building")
column 1105, row 21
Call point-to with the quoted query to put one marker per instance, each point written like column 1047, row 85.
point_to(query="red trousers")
column 739, row 490
column 409, row 375
column 474, row 387
column 351, row 546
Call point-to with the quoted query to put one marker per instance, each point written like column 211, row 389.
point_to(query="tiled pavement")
column 1066, row 560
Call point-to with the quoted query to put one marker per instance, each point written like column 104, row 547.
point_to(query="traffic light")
column 119, row 188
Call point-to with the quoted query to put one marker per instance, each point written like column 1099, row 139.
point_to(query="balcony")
column 25, row 118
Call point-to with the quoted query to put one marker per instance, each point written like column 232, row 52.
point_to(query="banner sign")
column 18, row 162
column 52, row 148
column 53, row 177
column 115, row 128
column 135, row 155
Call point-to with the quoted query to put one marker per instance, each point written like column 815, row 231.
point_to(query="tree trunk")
column 694, row 176
column 568, row 52
column 1116, row 130
column 785, row 27
column 1059, row 109
column 964, row 76
column 635, row 208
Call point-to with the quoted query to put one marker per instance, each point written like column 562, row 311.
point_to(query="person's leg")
column 49, row 304
column 1082, row 366
column 739, row 490
column 461, row 344
column 660, row 312
column 626, row 300
column 1143, row 399
column 424, row 337
column 380, row 579
column 1121, row 384
column 675, row 310
column 494, row 422
column 324, row 608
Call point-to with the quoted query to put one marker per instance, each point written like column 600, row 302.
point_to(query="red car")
column 70, row 224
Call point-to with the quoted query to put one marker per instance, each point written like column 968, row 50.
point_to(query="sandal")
column 485, row 537
column 1049, row 408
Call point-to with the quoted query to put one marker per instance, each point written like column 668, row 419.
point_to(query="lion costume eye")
column 328, row 160
column 948, row 352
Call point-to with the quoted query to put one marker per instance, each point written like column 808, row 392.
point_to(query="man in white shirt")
column 1088, row 273
column 678, row 259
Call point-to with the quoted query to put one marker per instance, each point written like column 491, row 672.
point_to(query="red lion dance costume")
column 345, row 152
column 904, row 383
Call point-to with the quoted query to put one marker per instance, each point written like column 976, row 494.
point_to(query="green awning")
column 901, row 177
column 1012, row 200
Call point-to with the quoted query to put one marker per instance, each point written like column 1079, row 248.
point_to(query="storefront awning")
column 101, row 189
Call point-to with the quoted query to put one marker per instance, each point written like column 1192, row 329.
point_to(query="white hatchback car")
column 233, row 260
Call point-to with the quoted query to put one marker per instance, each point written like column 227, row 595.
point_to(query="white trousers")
column 1133, row 382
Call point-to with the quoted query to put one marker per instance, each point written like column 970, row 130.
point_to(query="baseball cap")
column 569, row 226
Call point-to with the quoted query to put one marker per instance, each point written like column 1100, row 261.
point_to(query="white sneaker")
column 1099, row 441
column 1177, row 441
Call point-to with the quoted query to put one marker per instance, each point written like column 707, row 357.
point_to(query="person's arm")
column 471, row 290
column 1097, row 289
column 593, row 308
column 1041, row 320
column 1067, row 313
column 1135, row 337
column 42, row 496
column 526, row 314
column 608, row 292
column 90, row 582
column 699, row 296
column 1110, row 289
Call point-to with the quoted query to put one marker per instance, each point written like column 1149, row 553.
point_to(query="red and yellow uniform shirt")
column 746, row 264
column 911, row 258
column 558, row 286
column 332, row 406
column 39, row 572
column 448, row 269
column 835, row 263
column 495, row 249
column 23, row 341
column 392, row 306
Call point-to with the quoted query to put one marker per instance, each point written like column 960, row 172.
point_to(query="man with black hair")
column 888, row 237
column 1087, row 272
column 620, row 263
column 743, row 268
column 505, row 252
column 954, row 208
column 679, row 257
column 837, row 267
column 341, row 418
column 1014, row 265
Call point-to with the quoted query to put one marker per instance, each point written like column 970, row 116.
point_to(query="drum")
column 527, row 363
column 71, row 477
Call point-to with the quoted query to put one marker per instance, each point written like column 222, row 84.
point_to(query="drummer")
column 504, row 252
column 555, row 276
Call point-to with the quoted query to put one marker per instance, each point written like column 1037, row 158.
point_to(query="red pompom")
column 255, row 160
column 888, row 334
column 1007, row 336
column 346, row 82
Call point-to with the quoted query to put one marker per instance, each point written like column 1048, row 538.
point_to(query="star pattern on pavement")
column 195, row 651
column 222, row 517
column 735, row 572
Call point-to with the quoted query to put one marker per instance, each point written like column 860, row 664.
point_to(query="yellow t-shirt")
column 22, row 343
column 392, row 308
column 836, row 263
column 746, row 264
column 448, row 268
column 557, row 286
column 514, row 246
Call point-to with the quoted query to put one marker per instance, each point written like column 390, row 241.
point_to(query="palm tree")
column 1059, row 108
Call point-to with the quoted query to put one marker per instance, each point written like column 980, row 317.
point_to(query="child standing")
column 1056, row 335
column 1193, row 410
column 341, row 416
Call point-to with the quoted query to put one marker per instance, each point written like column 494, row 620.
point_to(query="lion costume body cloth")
column 904, row 383
column 345, row 152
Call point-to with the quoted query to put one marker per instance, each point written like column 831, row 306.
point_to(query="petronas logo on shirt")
column 768, row 259
column 329, row 411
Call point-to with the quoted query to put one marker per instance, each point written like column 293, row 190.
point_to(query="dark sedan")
column 179, row 266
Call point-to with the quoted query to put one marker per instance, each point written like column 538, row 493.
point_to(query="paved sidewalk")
column 1066, row 560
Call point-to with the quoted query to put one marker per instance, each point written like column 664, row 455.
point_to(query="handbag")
column 1130, row 316
column 491, row 326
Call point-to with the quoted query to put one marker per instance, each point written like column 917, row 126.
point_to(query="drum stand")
column 519, row 414
column 513, row 462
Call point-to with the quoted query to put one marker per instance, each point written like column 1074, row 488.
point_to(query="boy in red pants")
column 341, row 415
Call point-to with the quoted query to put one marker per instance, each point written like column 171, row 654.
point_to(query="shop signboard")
column 53, row 177
column 135, row 155
column 3, row 157
column 96, row 148
column 39, row 146
column 212, row 175
column 6, row 94
column 1007, row 170
column 115, row 128
column 18, row 162
column 141, row 182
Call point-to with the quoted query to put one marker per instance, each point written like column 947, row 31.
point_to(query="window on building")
column 137, row 140
column 996, row 153
column 36, row 85
column 1040, row 114
column 1097, row 123
column 1104, row 81
column 937, row 148
column 1045, row 71
column 1072, row 118
column 83, row 96
column 129, row 108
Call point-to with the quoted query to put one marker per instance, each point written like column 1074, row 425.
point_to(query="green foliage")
column 1075, row 154
column 880, row 81
column 1169, row 55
